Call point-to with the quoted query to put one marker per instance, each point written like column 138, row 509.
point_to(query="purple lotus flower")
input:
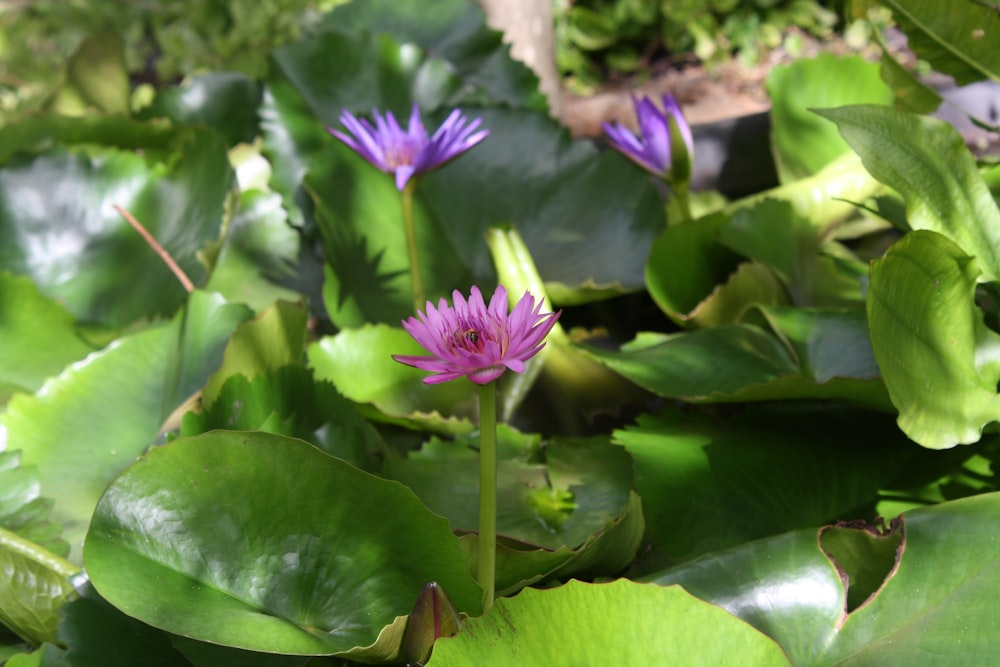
column 651, row 149
column 477, row 341
column 408, row 153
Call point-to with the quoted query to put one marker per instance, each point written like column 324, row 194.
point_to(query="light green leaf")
column 273, row 339
column 38, row 337
column 585, row 625
column 35, row 585
column 359, row 363
column 937, row 356
column 803, row 143
column 87, row 424
column 937, row 176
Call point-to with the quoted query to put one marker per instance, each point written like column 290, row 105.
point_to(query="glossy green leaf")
column 359, row 363
column 802, row 141
column 35, row 585
column 290, row 402
column 816, row 353
column 957, row 38
column 936, row 353
column 936, row 176
column 323, row 565
column 38, row 337
column 587, row 624
column 932, row 610
column 87, row 424
column 273, row 339
column 708, row 483
column 72, row 242
column 224, row 101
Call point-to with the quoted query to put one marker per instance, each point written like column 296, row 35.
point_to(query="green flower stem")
column 678, row 204
column 411, row 245
column 487, row 491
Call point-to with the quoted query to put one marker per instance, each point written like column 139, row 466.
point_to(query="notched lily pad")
column 865, row 556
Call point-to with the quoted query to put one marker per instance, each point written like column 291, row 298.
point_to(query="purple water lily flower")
column 477, row 341
column 651, row 149
column 406, row 153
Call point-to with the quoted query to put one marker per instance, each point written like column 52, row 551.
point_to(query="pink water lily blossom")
column 475, row 340
column 406, row 153
column 651, row 149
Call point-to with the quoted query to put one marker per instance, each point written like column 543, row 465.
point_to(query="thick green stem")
column 678, row 204
column 411, row 245
column 487, row 491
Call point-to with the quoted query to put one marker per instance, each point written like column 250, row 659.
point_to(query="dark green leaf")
column 225, row 101
column 708, row 483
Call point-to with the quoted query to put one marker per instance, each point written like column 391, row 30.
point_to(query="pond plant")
column 759, row 431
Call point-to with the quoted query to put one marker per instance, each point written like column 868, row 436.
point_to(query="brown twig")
column 160, row 250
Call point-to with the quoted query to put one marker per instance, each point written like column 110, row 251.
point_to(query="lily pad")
column 330, row 555
column 580, row 624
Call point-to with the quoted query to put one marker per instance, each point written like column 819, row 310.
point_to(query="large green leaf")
column 803, row 143
column 933, row 609
column 708, row 483
column 58, row 187
column 38, row 337
column 87, row 424
column 937, row 355
column 327, row 555
column 936, row 175
column 958, row 37
column 584, row 625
